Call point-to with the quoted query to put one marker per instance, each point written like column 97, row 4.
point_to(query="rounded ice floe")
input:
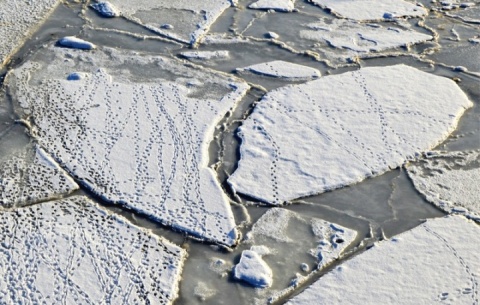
column 277, row 5
column 106, row 9
column 272, row 35
column 205, row 55
column 72, row 252
column 368, row 10
column 435, row 263
column 283, row 70
column 253, row 270
column 76, row 43
column 341, row 129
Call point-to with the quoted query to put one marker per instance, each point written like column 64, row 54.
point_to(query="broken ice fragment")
column 272, row 35
column 205, row 55
column 253, row 270
column 106, row 9
column 277, row 5
column 283, row 70
column 72, row 252
column 341, row 129
column 436, row 262
column 371, row 10
column 76, row 76
column 76, row 43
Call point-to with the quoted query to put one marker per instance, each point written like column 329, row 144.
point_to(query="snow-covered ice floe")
column 205, row 55
column 18, row 20
column 283, row 70
column 31, row 176
column 277, row 5
column 105, row 9
column 306, row 139
column 253, row 270
column 188, row 20
column 435, row 263
column 135, row 130
column 72, row 252
column 76, row 43
column 451, row 181
column 372, row 10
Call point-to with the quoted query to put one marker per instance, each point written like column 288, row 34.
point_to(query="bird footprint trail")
column 71, row 252
column 142, row 144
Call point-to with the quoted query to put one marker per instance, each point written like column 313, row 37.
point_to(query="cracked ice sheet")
column 130, row 135
column 437, row 262
column 283, row 70
column 191, row 20
column 18, row 20
column 72, row 252
column 311, row 242
column 371, row 10
column 451, row 181
column 306, row 139
column 30, row 176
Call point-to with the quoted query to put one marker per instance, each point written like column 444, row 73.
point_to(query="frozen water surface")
column 76, row 253
column 437, row 262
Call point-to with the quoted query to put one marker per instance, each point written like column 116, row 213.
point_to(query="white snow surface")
column 283, row 70
column 191, row 20
column 31, row 176
column 372, row 10
column 76, row 43
column 18, row 20
column 138, row 140
column 438, row 262
column 277, row 5
column 106, row 9
column 253, row 270
column 306, row 139
column 451, row 181
column 72, row 252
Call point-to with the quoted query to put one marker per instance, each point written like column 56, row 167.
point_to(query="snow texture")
column 142, row 143
column 371, row 10
column 306, row 139
column 205, row 55
column 30, row 176
column 18, row 20
column 76, row 43
column 190, row 20
column 277, row 5
column 72, row 252
column 451, row 181
column 106, row 9
column 253, row 270
column 283, row 70
column 435, row 263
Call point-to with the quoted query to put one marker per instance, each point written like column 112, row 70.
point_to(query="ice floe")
column 18, row 20
column 372, row 10
column 30, row 176
column 253, row 270
column 72, row 252
column 76, row 43
column 283, row 70
column 435, row 263
column 306, row 139
column 136, row 131
column 451, row 181
column 105, row 9
column 277, row 5
column 205, row 55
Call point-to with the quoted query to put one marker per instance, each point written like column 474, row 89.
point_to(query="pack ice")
column 30, row 176
column 135, row 130
column 371, row 10
column 435, row 263
column 451, row 181
column 306, row 139
column 71, row 252
column 18, row 20
column 282, row 70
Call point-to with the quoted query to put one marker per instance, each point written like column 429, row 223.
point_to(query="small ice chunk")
column 106, row 9
column 305, row 267
column 205, row 55
column 467, row 4
column 272, row 35
column 167, row 26
column 283, row 70
column 76, row 76
column 253, row 270
column 277, row 5
column 76, row 43
column 460, row 69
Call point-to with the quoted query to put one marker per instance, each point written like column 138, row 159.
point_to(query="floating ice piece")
column 76, row 76
column 451, row 181
column 72, row 252
column 341, row 129
column 134, row 132
column 435, row 263
column 369, row 10
column 189, row 20
column 31, row 176
column 106, row 9
column 205, row 55
column 18, row 20
column 76, row 43
column 283, row 70
column 277, row 5
column 253, row 270
column 359, row 38
column 272, row 35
